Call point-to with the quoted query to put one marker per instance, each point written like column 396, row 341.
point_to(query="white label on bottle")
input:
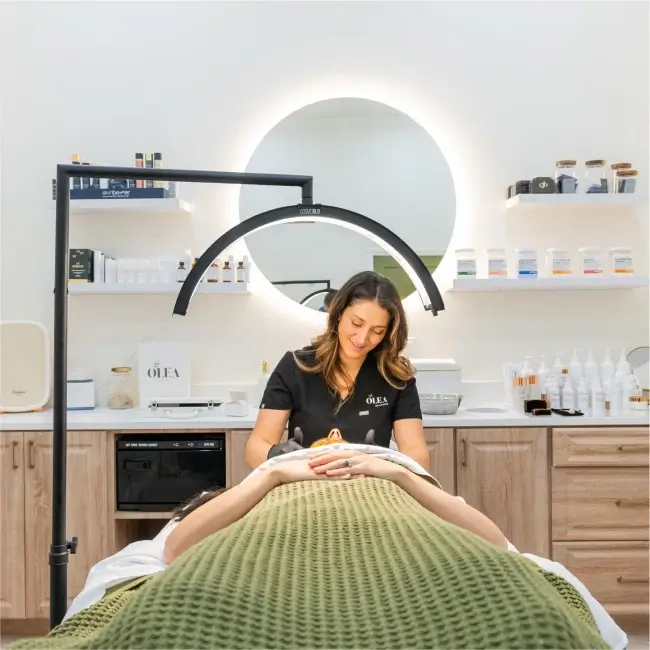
column 561, row 265
column 466, row 268
column 527, row 267
column 497, row 268
column 623, row 263
column 591, row 265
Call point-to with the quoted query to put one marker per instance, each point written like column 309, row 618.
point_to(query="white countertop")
column 136, row 419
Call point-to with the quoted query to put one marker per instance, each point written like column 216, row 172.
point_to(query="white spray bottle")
column 582, row 400
column 623, row 368
column 543, row 375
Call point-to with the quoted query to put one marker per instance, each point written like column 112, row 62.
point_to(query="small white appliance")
column 80, row 392
column 437, row 376
column 181, row 408
column 25, row 368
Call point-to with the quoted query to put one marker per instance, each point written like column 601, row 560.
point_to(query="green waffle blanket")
column 337, row 564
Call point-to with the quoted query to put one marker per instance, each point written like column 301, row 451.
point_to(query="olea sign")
column 163, row 370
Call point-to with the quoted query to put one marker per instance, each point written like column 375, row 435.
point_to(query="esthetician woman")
column 353, row 379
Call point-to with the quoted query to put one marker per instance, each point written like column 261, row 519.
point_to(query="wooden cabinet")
column 440, row 443
column 504, row 474
column 12, row 530
column 600, row 515
column 26, row 501
column 237, row 469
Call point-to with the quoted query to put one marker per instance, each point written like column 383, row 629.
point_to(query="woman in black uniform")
column 353, row 378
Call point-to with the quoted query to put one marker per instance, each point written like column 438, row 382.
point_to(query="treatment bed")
column 113, row 605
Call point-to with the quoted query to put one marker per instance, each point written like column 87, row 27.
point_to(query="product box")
column 81, row 266
column 118, row 193
column 163, row 370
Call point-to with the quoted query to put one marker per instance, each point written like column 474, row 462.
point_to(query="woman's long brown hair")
column 394, row 367
column 195, row 502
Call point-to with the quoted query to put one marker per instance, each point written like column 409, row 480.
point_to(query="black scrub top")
column 375, row 404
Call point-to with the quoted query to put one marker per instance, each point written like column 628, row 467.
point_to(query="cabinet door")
column 440, row 443
column 87, row 516
column 504, row 474
column 237, row 469
column 12, row 530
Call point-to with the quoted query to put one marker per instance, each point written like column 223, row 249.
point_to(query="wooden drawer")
column 599, row 504
column 616, row 573
column 611, row 447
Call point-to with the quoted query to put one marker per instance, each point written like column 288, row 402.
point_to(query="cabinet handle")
column 463, row 450
column 14, row 446
column 30, row 455
column 631, row 503
column 621, row 579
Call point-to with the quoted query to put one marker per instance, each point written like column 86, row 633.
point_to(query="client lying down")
column 335, row 548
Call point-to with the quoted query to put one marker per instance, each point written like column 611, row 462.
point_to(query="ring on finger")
column 347, row 463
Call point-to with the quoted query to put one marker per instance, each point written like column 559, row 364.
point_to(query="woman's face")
column 362, row 328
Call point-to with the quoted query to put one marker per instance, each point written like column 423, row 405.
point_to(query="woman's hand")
column 350, row 464
column 293, row 471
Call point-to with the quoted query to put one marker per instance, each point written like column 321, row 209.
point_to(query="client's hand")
column 349, row 464
column 293, row 471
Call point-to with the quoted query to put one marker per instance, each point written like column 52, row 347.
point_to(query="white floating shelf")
column 128, row 288
column 574, row 201
column 579, row 283
column 128, row 206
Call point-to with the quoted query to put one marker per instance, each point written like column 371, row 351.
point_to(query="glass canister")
column 614, row 168
column 558, row 262
column 465, row 263
column 566, row 177
column 497, row 263
column 625, row 181
column 591, row 260
column 595, row 177
column 121, row 388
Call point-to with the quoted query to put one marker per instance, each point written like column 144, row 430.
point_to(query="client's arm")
column 448, row 507
column 223, row 510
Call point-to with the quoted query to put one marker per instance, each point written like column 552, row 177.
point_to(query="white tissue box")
column 237, row 409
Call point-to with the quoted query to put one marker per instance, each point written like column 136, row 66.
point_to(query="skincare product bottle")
column 139, row 163
column 213, row 272
column 543, row 374
column 583, row 396
column 148, row 163
column 630, row 389
column 519, row 393
column 530, row 379
column 157, row 164
column 262, row 381
column 607, row 368
column 241, row 272
column 623, row 366
column 75, row 183
column 554, row 394
column 556, row 371
column 568, row 396
column 247, row 268
column 85, row 181
column 227, row 273
column 591, row 369
column 597, row 399
column 181, row 273
column 575, row 370
column 616, row 396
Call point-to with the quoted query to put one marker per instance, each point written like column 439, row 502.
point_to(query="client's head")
column 333, row 438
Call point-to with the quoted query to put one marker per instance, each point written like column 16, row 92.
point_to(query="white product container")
column 437, row 376
column 465, row 262
column 621, row 260
column 526, row 263
column 497, row 263
column 591, row 260
column 80, row 391
column 558, row 262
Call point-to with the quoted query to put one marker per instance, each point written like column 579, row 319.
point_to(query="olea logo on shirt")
column 371, row 400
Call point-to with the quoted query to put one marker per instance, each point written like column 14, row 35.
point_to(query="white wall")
column 505, row 88
column 364, row 157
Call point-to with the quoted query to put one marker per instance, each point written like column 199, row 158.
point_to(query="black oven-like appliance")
column 159, row 472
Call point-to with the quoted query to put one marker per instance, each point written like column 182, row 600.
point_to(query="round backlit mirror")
column 366, row 157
